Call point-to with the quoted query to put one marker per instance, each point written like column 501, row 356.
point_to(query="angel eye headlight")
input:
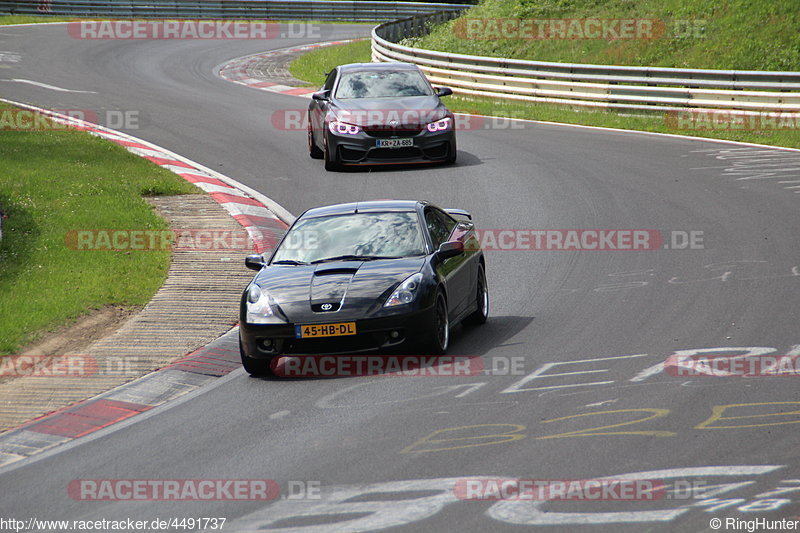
column 259, row 305
column 343, row 128
column 406, row 292
column 440, row 125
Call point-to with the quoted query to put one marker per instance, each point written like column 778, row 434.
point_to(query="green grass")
column 311, row 66
column 7, row 20
column 52, row 182
column 733, row 34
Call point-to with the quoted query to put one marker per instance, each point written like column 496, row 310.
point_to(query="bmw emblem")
column 326, row 307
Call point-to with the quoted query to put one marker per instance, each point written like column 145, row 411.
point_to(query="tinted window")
column 440, row 225
column 382, row 84
column 329, row 81
column 376, row 234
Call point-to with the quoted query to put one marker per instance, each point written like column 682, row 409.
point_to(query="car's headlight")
column 259, row 305
column 343, row 128
column 440, row 125
column 406, row 292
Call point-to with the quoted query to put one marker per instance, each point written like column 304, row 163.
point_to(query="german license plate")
column 325, row 330
column 394, row 143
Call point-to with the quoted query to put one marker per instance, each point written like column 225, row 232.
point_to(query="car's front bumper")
column 399, row 330
column 363, row 149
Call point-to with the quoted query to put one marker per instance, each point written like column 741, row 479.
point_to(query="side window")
column 449, row 222
column 329, row 81
column 440, row 225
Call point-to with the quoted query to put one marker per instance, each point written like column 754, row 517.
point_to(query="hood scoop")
column 329, row 286
column 334, row 271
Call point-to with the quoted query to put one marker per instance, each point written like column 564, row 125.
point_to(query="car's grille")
column 352, row 155
column 394, row 153
column 350, row 343
column 382, row 132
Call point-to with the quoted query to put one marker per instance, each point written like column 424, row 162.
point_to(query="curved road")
column 585, row 330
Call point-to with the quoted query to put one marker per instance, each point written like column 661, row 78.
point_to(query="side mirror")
column 444, row 91
column 254, row 262
column 450, row 249
column 320, row 95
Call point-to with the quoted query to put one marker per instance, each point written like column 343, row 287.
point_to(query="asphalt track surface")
column 363, row 440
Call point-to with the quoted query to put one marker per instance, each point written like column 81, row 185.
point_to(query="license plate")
column 394, row 143
column 325, row 330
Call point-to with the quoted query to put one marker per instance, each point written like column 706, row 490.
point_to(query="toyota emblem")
column 327, row 307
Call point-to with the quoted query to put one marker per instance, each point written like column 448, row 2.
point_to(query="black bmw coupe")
column 364, row 276
column 380, row 113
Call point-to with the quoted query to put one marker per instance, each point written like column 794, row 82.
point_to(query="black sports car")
column 364, row 276
column 378, row 113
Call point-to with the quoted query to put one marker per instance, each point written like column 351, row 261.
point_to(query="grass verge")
column 723, row 34
column 311, row 66
column 55, row 181
column 9, row 20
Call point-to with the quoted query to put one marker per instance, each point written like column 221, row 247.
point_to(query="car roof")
column 392, row 65
column 372, row 206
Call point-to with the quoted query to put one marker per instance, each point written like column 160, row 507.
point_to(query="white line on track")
column 46, row 86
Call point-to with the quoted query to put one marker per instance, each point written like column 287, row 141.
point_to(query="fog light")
column 394, row 334
column 266, row 344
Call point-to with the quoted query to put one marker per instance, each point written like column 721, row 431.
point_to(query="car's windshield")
column 382, row 84
column 361, row 235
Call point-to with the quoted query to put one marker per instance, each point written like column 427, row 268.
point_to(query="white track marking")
column 531, row 512
column 539, row 373
column 46, row 86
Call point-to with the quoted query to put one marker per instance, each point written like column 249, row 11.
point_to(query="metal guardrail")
column 603, row 86
column 332, row 10
column 600, row 86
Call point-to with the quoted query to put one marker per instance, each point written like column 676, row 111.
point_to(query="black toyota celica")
column 364, row 276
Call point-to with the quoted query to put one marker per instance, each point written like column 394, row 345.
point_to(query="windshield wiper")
column 288, row 262
column 350, row 257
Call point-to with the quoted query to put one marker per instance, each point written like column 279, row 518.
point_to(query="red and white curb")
column 195, row 370
column 264, row 220
column 236, row 70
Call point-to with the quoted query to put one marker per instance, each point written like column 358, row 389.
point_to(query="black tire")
column 330, row 159
column 481, row 314
column 254, row 367
column 437, row 339
column 313, row 150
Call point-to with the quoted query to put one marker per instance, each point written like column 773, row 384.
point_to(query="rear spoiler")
column 458, row 213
